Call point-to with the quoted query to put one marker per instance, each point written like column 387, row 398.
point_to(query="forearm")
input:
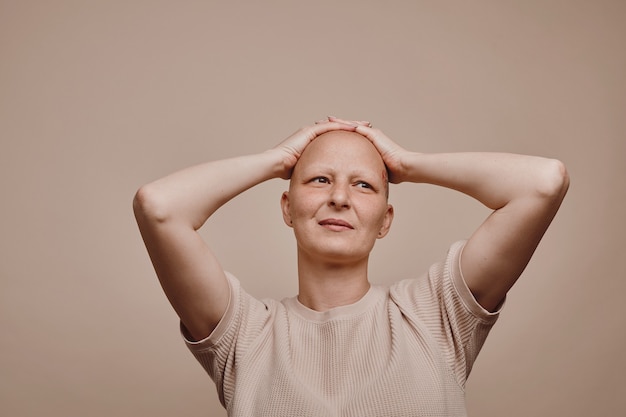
column 495, row 179
column 193, row 194
column 524, row 193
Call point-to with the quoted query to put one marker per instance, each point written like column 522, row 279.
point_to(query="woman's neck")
column 325, row 285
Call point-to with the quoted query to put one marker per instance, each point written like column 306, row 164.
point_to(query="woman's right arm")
column 169, row 212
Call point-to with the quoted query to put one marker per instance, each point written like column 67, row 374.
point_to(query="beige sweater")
column 402, row 351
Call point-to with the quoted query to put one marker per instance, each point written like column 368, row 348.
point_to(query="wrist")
column 280, row 162
column 408, row 167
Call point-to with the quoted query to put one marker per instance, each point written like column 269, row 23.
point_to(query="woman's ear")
column 386, row 222
column 284, row 206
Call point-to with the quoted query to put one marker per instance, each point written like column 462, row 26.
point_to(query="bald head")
column 343, row 150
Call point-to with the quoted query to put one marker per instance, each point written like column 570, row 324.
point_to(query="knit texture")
column 406, row 350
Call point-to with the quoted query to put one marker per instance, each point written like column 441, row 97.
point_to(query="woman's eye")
column 321, row 180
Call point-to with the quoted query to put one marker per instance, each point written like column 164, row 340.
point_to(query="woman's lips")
column 336, row 224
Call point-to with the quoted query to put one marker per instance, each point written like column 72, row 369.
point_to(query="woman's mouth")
column 336, row 224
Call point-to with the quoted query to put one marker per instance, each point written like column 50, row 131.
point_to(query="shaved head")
column 356, row 150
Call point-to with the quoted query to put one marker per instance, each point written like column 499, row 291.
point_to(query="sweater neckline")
column 346, row 311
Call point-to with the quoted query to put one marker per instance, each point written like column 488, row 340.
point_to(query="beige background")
column 99, row 97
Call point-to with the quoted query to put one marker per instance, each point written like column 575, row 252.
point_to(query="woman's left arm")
column 524, row 192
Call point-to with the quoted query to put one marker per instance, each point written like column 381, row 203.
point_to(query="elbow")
column 554, row 181
column 148, row 205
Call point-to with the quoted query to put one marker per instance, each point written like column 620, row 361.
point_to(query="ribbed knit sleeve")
column 243, row 322
column 441, row 302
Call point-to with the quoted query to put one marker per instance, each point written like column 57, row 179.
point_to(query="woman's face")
column 337, row 198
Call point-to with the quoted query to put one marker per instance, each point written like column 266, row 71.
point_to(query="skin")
column 328, row 163
column 171, row 210
column 337, row 206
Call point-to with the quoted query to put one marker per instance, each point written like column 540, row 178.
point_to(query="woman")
column 342, row 346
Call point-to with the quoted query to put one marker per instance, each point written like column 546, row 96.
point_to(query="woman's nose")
column 339, row 196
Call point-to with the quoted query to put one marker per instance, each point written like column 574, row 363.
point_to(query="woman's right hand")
column 291, row 148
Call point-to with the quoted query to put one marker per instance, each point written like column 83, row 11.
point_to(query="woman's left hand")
column 390, row 151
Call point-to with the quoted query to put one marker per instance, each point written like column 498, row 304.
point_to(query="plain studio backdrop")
column 100, row 97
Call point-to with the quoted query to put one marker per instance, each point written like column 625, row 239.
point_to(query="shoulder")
column 244, row 318
column 440, row 288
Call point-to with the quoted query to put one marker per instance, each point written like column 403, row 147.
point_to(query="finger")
column 374, row 135
column 327, row 126
column 336, row 120
column 350, row 122
column 365, row 130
